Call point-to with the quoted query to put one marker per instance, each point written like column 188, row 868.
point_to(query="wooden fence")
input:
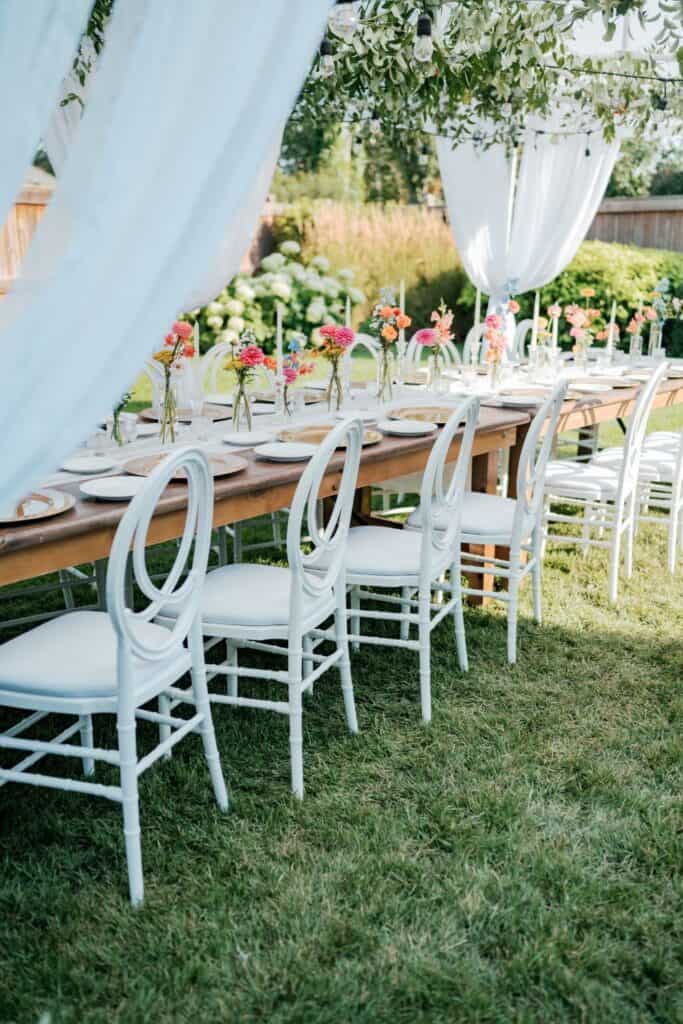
column 655, row 222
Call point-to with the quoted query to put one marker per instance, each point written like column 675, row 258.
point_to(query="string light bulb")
column 326, row 65
column 343, row 20
column 423, row 50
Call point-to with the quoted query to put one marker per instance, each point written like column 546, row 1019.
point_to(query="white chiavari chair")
column 381, row 558
column 116, row 662
column 282, row 611
column 607, row 499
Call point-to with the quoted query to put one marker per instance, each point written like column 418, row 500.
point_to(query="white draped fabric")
column 38, row 41
column 66, row 117
column 183, row 111
column 517, row 228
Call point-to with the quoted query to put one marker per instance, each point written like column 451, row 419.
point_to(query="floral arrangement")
column 309, row 294
column 292, row 368
column 386, row 321
column 245, row 357
column 496, row 344
column 582, row 323
column 177, row 346
column 332, row 344
column 116, row 417
column 435, row 337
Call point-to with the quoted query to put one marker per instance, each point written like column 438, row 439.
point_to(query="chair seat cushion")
column 74, row 656
column 255, row 595
column 587, row 481
column 382, row 551
column 482, row 514
column 657, row 465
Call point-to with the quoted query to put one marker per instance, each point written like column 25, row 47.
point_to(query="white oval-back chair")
column 90, row 663
column 251, row 606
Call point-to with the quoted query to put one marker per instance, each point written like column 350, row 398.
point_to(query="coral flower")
column 513, row 306
column 403, row 321
column 555, row 311
column 182, row 329
column 426, row 336
column 328, row 330
column 188, row 350
column 587, row 293
column 290, row 374
column 344, row 336
column 270, row 363
column 389, row 333
column 650, row 313
column 494, row 321
column 251, row 355
column 386, row 311
column 169, row 339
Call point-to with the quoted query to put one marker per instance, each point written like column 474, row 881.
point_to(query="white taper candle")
column 348, row 311
column 537, row 311
column 278, row 341
column 477, row 309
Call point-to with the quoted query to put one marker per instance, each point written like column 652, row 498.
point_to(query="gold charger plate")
column 40, row 505
column 317, row 434
column 438, row 414
column 221, row 465
column 212, row 412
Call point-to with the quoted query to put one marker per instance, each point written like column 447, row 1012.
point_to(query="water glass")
column 128, row 425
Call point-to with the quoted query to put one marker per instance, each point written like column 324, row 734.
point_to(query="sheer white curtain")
column 515, row 227
column 38, row 41
column 184, row 108
column 66, row 117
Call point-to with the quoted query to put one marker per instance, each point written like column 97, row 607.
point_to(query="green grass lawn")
column 518, row 860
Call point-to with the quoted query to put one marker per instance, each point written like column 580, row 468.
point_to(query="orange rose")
column 403, row 321
column 385, row 312
column 389, row 333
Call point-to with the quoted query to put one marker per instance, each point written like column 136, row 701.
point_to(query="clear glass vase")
column 635, row 348
column 169, row 410
column 654, row 342
column 436, row 368
column 241, row 407
column 495, row 375
column 335, row 388
column 384, row 376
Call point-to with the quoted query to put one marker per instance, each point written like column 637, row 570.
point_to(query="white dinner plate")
column 286, row 451
column 113, row 488
column 88, row 464
column 364, row 415
column 406, row 428
column 219, row 398
column 590, row 389
column 247, row 438
column 317, row 385
column 147, row 429
column 521, row 401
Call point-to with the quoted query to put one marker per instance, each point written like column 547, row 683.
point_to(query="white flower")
column 233, row 307
column 282, row 290
column 345, row 274
column 315, row 313
column 331, row 287
column 321, row 262
column 236, row 323
column 356, row 295
column 275, row 261
column 316, row 338
column 290, row 248
column 245, row 292
column 295, row 270
column 214, row 309
column 227, row 335
column 215, row 322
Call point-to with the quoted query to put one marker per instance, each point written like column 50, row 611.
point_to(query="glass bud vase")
column 241, row 408
column 384, row 376
column 169, row 410
column 436, row 369
column 495, row 375
column 654, row 342
column 335, row 388
column 635, row 348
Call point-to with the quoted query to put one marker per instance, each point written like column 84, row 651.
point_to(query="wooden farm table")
column 592, row 410
column 86, row 532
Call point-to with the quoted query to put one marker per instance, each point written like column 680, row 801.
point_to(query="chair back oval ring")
column 441, row 501
column 183, row 597
column 316, row 571
column 533, row 461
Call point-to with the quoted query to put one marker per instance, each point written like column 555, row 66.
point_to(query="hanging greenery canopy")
column 495, row 63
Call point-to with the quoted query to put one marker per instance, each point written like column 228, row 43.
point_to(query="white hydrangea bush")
column 310, row 293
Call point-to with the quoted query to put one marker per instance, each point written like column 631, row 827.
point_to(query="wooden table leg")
column 484, row 478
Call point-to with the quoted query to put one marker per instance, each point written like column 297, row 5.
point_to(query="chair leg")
column 231, row 651
column 459, row 618
column 200, row 693
column 295, row 720
column 537, row 578
column 67, row 590
column 672, row 539
column 588, row 519
column 615, row 556
column 628, row 547
column 355, row 619
column 513, row 591
column 405, row 610
column 87, row 741
column 308, row 660
column 101, row 583
column 345, row 665
column 131, row 811
column 277, row 529
column 164, row 704
column 425, row 657
column 222, row 545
